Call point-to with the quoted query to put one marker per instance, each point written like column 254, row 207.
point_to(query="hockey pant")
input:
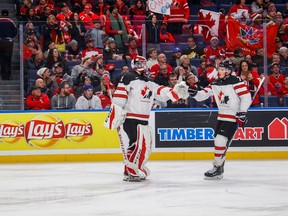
column 137, row 134
column 223, row 138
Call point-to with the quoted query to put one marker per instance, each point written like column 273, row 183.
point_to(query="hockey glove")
column 241, row 118
column 192, row 91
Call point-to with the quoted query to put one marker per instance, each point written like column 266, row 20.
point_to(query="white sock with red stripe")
column 220, row 143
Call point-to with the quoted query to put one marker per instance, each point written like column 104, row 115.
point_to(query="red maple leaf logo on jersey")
column 144, row 90
column 220, row 95
column 206, row 20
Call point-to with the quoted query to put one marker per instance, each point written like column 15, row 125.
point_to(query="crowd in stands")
column 72, row 47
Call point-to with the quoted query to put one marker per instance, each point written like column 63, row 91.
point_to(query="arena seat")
column 167, row 46
column 273, row 101
column 194, row 9
column 285, row 101
column 117, row 63
column 181, row 38
column 210, row 7
column 138, row 20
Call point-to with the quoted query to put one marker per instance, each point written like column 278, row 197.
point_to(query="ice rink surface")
column 249, row 188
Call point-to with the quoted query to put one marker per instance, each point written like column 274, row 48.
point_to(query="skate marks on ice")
column 174, row 188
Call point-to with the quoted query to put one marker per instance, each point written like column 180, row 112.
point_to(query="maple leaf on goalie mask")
column 206, row 20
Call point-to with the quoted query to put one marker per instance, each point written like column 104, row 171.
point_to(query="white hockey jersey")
column 231, row 95
column 135, row 94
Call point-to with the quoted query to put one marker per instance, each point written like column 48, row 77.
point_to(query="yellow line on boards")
column 154, row 156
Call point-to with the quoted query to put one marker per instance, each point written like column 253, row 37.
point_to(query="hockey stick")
column 254, row 96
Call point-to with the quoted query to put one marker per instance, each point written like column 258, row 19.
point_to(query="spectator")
column 90, row 49
column 79, row 90
column 181, row 73
column 31, row 17
column 248, row 58
column 64, row 16
column 30, row 48
column 175, row 61
column 100, row 7
column 166, row 36
column 192, row 51
column 82, row 69
column 87, row 16
column 285, row 11
column 238, row 57
column 152, row 52
column 8, row 31
column 47, row 11
column 79, row 5
column 153, row 32
column 283, row 90
column 64, row 99
column 131, row 50
column 257, row 7
column 271, row 90
column 240, row 11
column 115, row 27
column 73, row 52
column 179, row 15
column 192, row 82
column 88, row 101
column 202, row 67
column 44, row 74
column 37, row 100
column 162, row 77
column 36, row 61
column 59, row 76
column 41, row 6
column 276, row 78
column 181, row 103
column 259, row 58
column 121, row 7
column 111, row 52
column 51, row 32
column 256, row 21
column 137, row 9
column 53, row 57
column 283, row 51
column 106, row 94
column 77, row 30
column 130, row 30
column 252, row 81
column 155, row 68
column 40, row 82
column 271, row 12
column 213, row 50
column 97, row 34
column 276, row 59
column 24, row 9
column 124, row 70
column 185, row 63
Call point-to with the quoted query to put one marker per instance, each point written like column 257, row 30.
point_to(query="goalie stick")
column 254, row 96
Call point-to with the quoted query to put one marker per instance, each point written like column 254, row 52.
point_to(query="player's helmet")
column 227, row 64
column 139, row 64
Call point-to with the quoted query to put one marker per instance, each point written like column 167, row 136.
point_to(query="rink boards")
column 178, row 134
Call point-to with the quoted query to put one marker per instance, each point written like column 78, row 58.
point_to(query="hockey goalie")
column 129, row 114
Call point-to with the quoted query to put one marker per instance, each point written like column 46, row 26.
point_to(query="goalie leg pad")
column 139, row 156
column 115, row 118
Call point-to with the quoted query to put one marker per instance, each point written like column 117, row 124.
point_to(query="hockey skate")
column 131, row 178
column 215, row 173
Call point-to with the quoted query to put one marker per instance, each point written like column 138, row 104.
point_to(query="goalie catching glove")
column 182, row 90
column 241, row 118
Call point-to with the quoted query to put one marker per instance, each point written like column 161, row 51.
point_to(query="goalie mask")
column 139, row 64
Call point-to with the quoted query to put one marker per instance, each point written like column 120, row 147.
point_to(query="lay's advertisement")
column 55, row 131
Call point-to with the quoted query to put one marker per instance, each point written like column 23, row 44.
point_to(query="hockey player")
column 233, row 100
column 131, row 105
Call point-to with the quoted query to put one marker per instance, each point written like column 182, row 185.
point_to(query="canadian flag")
column 209, row 22
column 249, row 38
